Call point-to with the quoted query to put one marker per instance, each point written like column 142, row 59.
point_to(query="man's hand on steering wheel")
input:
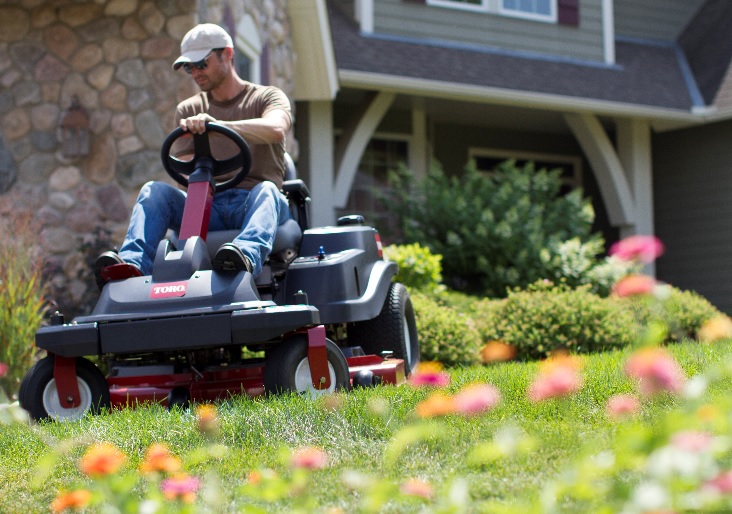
column 197, row 124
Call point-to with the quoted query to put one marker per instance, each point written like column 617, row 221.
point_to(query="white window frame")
column 574, row 162
column 248, row 42
column 496, row 7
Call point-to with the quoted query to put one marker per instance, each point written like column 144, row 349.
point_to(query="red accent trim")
column 67, row 387
column 379, row 246
column 318, row 358
column 391, row 371
column 120, row 272
column 197, row 211
column 568, row 12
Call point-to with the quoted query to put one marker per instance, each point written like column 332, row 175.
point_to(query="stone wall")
column 115, row 56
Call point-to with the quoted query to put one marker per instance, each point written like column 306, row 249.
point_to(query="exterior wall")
column 661, row 20
column 692, row 188
column 116, row 57
column 411, row 20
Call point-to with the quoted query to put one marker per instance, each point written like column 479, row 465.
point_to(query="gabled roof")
column 648, row 79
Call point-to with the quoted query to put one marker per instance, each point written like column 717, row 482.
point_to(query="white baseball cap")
column 199, row 41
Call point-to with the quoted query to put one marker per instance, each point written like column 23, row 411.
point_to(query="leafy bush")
column 445, row 335
column 547, row 317
column 22, row 303
column 682, row 312
column 493, row 231
column 418, row 267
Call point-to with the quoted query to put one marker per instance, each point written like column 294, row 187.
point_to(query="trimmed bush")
column 445, row 335
column 22, row 304
column 419, row 268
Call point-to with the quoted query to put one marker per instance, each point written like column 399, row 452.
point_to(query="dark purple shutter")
column 568, row 12
column 415, row 1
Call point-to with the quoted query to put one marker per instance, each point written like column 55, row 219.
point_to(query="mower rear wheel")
column 39, row 396
column 287, row 368
column 393, row 330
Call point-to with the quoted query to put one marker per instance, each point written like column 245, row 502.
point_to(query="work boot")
column 229, row 257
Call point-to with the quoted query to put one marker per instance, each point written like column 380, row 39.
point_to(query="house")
column 633, row 99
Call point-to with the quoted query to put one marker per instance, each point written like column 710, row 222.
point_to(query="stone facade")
column 114, row 57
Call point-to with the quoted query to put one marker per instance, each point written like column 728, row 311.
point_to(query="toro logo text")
column 168, row 290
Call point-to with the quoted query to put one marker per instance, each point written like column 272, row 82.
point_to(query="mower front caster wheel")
column 39, row 396
column 287, row 368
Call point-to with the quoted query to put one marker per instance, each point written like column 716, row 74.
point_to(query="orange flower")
column 638, row 248
column 416, row 487
column 634, row 285
column 180, row 487
column 437, row 404
column 558, row 376
column 309, row 457
column 207, row 420
column 159, row 458
column 655, row 370
column 476, row 399
column 102, row 459
column 72, row 500
column 719, row 327
column 497, row 351
column 622, row 405
column 429, row 374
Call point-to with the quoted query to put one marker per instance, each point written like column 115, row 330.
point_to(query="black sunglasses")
column 199, row 65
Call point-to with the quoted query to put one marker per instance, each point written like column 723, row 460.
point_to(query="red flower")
column 634, row 285
column 655, row 370
column 638, row 248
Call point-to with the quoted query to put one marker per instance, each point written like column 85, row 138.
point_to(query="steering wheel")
column 202, row 157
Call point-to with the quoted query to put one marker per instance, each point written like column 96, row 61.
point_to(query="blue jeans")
column 159, row 207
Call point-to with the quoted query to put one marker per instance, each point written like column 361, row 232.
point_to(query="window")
column 248, row 50
column 382, row 155
column 541, row 10
column 486, row 160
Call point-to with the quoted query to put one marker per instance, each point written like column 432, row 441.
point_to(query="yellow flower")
column 207, row 419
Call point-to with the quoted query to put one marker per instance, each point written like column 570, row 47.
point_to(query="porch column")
column 320, row 162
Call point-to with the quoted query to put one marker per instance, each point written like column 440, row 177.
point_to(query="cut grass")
column 358, row 434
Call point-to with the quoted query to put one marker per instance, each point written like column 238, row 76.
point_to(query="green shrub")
column 683, row 312
column 547, row 317
column 445, row 335
column 22, row 303
column 418, row 267
column 493, row 231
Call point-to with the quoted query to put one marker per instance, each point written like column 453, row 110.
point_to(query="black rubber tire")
column 38, row 388
column 286, row 368
column 179, row 398
column 393, row 330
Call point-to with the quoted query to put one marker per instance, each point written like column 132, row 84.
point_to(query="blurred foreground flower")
column 102, row 459
column 692, row 440
column 416, row 487
column 437, row 404
column 429, row 374
column 476, row 399
column 655, row 370
column 722, row 483
column 180, row 487
column 645, row 249
column 72, row 500
column 159, row 459
column 634, row 285
column 309, row 457
column 497, row 351
column 3, row 369
column 207, row 420
column 557, row 377
column 622, row 406
column 716, row 328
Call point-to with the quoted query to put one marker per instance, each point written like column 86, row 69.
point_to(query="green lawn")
column 373, row 441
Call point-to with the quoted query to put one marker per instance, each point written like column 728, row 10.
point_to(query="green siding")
column 406, row 19
column 661, row 20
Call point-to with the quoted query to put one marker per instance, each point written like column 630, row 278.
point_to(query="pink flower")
column 476, row 399
column 722, row 483
column 691, row 440
column 180, row 486
column 415, row 487
column 622, row 405
column 638, row 248
column 3, row 369
column 429, row 374
column 309, row 457
column 655, row 370
column 634, row 285
column 557, row 377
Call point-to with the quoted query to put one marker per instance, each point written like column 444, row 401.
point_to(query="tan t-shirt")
column 254, row 101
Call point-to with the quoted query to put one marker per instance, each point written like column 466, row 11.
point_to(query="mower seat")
column 286, row 243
